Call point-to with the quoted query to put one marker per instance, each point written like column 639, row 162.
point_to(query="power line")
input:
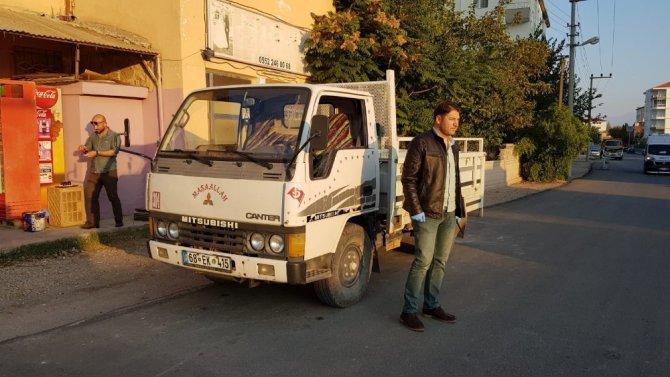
column 600, row 51
column 562, row 20
column 613, row 29
column 558, row 8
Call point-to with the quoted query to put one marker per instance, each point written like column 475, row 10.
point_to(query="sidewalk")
column 12, row 238
column 506, row 194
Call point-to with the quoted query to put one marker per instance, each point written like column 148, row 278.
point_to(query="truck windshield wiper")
column 295, row 155
column 193, row 156
column 248, row 156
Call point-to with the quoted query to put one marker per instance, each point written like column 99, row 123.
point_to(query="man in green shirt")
column 102, row 148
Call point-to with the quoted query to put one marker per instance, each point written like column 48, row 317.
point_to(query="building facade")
column 523, row 17
column 135, row 61
column 657, row 110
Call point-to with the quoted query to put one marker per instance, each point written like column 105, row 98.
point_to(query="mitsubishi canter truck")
column 285, row 183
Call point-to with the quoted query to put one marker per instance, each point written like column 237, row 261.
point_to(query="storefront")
column 60, row 74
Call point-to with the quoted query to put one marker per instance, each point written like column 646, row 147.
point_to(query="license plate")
column 210, row 262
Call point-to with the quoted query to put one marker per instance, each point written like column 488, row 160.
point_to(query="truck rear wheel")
column 351, row 269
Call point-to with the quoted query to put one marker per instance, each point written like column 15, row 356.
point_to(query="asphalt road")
column 569, row 282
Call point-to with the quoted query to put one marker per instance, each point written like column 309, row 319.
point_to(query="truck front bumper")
column 241, row 266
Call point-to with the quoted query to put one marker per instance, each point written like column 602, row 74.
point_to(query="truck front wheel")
column 351, row 269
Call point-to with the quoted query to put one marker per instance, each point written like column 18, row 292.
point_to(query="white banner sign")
column 253, row 38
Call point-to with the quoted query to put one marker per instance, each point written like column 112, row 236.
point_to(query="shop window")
column 32, row 60
column 218, row 79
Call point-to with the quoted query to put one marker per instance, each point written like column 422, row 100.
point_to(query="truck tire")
column 351, row 269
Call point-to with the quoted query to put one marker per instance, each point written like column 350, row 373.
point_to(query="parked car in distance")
column 595, row 151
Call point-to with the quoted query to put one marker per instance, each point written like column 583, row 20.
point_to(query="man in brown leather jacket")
column 432, row 190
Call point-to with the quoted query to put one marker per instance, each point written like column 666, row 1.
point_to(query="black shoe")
column 118, row 225
column 439, row 314
column 89, row 226
column 412, row 321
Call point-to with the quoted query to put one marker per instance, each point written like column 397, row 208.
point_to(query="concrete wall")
column 503, row 172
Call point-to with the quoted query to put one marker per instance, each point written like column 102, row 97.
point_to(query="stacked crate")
column 66, row 205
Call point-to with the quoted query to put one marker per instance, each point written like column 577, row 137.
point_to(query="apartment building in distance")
column 523, row 17
column 657, row 110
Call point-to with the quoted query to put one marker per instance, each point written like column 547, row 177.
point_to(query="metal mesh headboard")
column 383, row 95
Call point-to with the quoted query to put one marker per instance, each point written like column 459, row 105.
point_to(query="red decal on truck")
column 296, row 194
column 156, row 200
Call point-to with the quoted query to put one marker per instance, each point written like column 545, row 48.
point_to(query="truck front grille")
column 230, row 241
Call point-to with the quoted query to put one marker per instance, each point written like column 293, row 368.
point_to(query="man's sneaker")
column 439, row 314
column 89, row 226
column 412, row 321
column 118, row 225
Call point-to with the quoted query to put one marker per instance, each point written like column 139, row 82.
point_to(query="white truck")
column 657, row 154
column 285, row 183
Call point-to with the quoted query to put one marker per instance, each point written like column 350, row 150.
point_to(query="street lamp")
column 571, row 87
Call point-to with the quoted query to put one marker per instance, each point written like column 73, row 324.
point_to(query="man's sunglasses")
column 96, row 123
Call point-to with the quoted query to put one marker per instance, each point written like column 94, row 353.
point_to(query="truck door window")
column 345, row 131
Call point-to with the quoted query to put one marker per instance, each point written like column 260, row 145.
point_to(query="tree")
column 619, row 132
column 356, row 43
column 548, row 148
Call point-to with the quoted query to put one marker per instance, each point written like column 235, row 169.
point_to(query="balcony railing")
column 518, row 11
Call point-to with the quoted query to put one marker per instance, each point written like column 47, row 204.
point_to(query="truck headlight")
column 257, row 241
column 162, row 228
column 173, row 231
column 276, row 243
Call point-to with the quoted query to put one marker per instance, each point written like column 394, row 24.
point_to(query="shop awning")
column 83, row 33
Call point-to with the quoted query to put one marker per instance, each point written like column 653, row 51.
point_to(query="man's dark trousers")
column 94, row 185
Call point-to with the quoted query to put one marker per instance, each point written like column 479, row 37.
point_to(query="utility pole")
column 573, row 34
column 571, row 74
column 591, row 91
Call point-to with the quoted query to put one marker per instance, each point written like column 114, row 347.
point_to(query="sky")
column 633, row 47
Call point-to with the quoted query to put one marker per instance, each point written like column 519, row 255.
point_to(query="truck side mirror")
column 318, row 133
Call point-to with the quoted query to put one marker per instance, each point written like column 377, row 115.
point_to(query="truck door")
column 344, row 175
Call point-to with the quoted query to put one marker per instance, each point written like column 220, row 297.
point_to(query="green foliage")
column 548, row 148
column 619, row 133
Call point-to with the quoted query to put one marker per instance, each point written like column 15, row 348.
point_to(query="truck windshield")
column 662, row 149
column 613, row 143
column 257, row 124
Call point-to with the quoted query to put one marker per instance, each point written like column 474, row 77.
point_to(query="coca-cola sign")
column 46, row 96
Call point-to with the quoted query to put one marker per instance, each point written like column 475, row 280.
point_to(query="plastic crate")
column 66, row 205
